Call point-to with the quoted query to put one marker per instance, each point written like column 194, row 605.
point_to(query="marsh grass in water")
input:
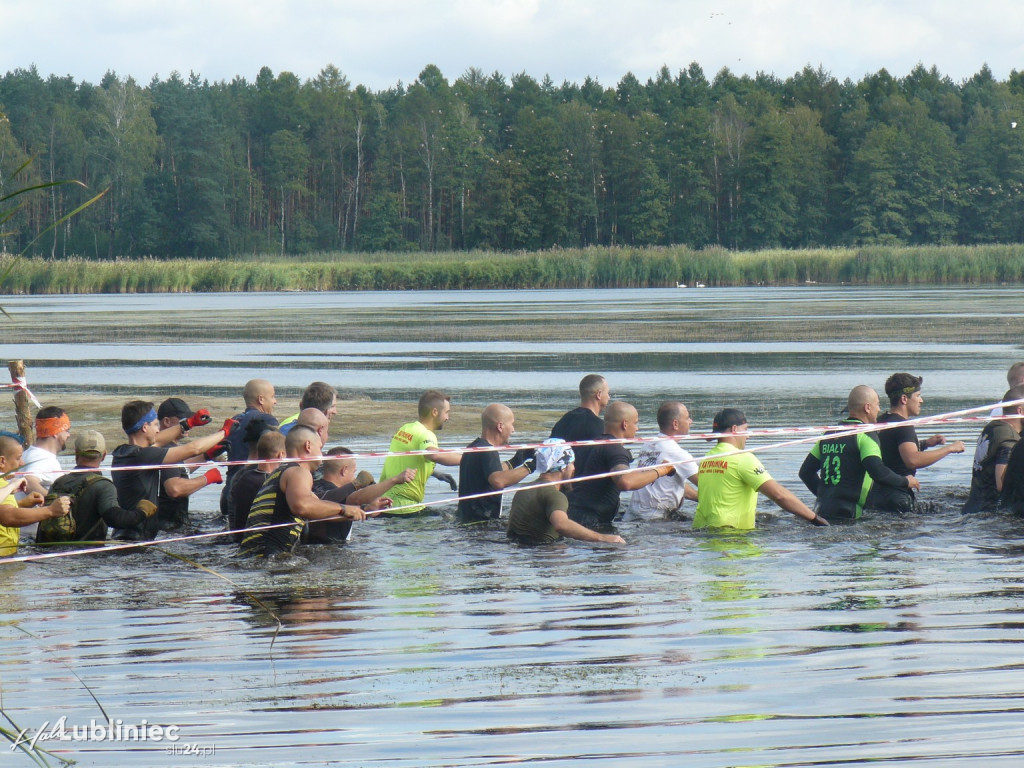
column 568, row 268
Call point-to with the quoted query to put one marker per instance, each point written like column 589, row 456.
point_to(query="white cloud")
column 379, row 43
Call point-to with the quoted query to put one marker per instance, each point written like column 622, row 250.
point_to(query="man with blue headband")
column 149, row 446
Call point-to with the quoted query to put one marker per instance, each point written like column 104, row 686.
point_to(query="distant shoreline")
column 596, row 267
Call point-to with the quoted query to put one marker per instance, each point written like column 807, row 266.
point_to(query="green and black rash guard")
column 840, row 471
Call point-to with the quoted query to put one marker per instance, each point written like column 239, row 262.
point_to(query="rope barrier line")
column 951, row 417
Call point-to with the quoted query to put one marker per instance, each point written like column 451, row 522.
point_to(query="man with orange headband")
column 53, row 429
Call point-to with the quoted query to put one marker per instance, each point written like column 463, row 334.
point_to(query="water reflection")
column 419, row 644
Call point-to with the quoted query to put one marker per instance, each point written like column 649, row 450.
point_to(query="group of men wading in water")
column 281, row 489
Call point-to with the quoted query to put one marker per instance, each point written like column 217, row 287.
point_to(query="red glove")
column 229, row 424
column 199, row 418
column 218, row 450
column 213, row 476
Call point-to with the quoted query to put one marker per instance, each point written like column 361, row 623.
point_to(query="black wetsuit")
column 840, row 472
column 887, row 498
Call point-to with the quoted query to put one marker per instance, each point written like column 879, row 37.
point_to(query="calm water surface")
column 419, row 644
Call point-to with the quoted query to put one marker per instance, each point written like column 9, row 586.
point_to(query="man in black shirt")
column 595, row 502
column 483, row 471
column 148, row 446
column 176, row 484
column 584, row 423
column 902, row 452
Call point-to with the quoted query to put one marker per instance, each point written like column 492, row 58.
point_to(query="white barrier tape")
column 951, row 417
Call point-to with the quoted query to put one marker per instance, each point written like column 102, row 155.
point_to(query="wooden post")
column 26, row 427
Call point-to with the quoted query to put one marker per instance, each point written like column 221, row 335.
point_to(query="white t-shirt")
column 666, row 493
column 42, row 464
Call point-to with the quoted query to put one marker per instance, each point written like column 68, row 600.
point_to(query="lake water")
column 420, row 644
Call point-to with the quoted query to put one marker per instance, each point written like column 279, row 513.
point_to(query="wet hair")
column 667, row 413
column 1014, row 393
column 52, row 412
column 255, row 429
column 297, row 436
column 431, row 399
column 590, row 385
column 727, row 418
column 900, row 384
column 339, row 455
column 269, row 445
column 14, row 436
column 9, row 446
column 133, row 411
column 319, row 395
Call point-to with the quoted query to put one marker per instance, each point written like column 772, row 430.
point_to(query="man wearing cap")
column 992, row 454
column 482, row 471
column 93, row 499
column 594, row 501
column 665, row 496
column 730, row 481
column 539, row 515
column 53, row 429
column 841, row 470
column 901, row 450
column 176, row 484
column 584, row 423
column 148, row 446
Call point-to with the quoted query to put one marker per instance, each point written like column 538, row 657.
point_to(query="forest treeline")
column 205, row 169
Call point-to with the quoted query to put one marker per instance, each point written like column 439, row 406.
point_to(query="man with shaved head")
column 595, row 502
column 841, row 470
column 314, row 419
column 584, row 423
column 665, row 497
column 483, row 471
column 287, row 501
column 260, row 399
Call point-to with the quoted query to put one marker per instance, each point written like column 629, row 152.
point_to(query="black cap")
column 727, row 418
column 173, row 407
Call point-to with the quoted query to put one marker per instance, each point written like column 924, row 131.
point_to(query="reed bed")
column 559, row 268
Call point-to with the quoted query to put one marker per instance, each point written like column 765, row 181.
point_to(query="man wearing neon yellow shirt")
column 729, row 481
column 407, row 498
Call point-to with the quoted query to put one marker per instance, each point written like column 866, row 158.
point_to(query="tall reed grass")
column 560, row 268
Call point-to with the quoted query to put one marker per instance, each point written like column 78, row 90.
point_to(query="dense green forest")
column 202, row 170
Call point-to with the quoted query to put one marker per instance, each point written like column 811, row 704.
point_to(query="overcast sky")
column 380, row 42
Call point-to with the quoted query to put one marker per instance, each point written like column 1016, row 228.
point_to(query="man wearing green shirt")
column 842, row 468
column 729, row 481
column 407, row 498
